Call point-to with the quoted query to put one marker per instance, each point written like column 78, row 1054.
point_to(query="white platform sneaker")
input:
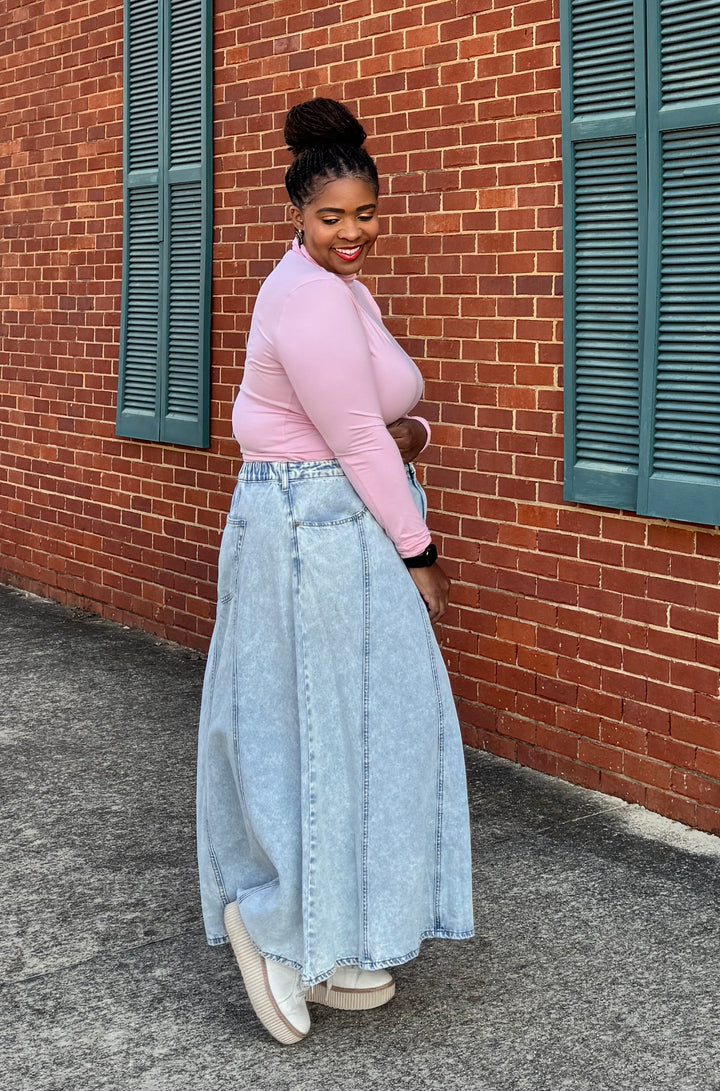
column 273, row 989
column 353, row 989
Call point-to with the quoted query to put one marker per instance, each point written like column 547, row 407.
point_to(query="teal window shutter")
column 164, row 374
column 680, row 465
column 603, row 177
column 641, row 162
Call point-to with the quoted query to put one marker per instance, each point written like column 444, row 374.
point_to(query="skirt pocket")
column 229, row 560
column 325, row 501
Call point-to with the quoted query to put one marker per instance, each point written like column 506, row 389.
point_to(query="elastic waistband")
column 285, row 472
column 289, row 471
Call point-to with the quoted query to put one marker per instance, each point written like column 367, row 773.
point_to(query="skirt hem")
column 364, row 964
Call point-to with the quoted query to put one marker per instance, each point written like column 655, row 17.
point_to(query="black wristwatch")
column 424, row 559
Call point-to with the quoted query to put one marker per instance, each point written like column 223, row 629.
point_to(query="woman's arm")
column 323, row 348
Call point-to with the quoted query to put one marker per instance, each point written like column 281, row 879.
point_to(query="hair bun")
column 321, row 121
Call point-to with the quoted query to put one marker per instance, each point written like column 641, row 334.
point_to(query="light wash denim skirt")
column 332, row 798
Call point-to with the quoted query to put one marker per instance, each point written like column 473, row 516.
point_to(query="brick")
column 646, row 716
column 603, row 757
column 519, row 632
column 671, row 538
column 697, row 732
column 670, row 591
column 600, row 601
column 672, row 644
column 536, row 758
column 554, row 640
column 703, row 789
column 642, row 559
column 536, row 709
column 625, row 685
column 542, row 613
column 516, row 728
column 502, row 747
column 623, row 633
column 646, row 771
column 672, row 806
column 708, row 763
column 694, row 621
column 600, row 703
column 671, row 751
column 700, row 679
column 578, row 722
column 670, row 698
column 707, row 543
column 557, row 742
column 708, row 819
column 623, row 788
column 645, row 611
column 517, row 680
column 624, row 737
column 645, row 665
column 707, row 652
column 580, row 672
column 623, row 530
column 578, row 621
column 707, row 707
column 555, row 689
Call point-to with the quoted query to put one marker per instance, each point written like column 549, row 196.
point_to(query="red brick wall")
column 128, row 529
column 582, row 642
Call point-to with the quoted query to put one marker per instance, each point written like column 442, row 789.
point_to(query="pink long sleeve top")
column 323, row 378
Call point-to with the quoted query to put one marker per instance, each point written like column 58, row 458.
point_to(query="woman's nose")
column 350, row 229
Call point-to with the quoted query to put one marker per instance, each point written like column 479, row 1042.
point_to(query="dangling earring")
column 300, row 235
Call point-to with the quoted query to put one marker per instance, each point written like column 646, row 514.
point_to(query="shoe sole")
column 350, row 999
column 254, row 975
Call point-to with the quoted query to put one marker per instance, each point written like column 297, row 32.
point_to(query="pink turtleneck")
column 323, row 378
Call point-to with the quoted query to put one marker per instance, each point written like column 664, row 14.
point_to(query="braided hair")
column 326, row 141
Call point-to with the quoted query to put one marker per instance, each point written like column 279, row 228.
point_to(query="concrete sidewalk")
column 596, row 964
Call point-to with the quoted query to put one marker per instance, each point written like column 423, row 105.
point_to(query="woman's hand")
column 434, row 586
column 410, row 437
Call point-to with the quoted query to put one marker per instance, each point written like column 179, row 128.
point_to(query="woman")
column 332, row 812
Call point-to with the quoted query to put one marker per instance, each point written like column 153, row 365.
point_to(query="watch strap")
column 424, row 559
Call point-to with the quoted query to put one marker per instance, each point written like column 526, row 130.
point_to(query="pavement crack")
column 98, row 956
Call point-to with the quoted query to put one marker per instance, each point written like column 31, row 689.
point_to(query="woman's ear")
column 296, row 217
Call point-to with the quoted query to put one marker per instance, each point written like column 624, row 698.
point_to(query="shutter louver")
column 603, row 56
column 143, row 289
column 142, row 84
column 690, row 47
column 687, row 407
column 186, row 84
column 606, row 303
column 185, row 300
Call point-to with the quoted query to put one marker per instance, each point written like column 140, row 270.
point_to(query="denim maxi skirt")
column 331, row 783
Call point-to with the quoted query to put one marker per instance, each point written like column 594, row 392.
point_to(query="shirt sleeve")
column 323, row 348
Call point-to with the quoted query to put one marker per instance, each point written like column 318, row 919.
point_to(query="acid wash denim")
column 331, row 783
